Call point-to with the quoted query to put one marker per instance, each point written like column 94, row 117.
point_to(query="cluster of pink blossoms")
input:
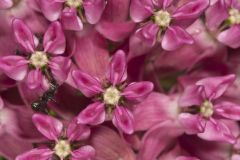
column 120, row 79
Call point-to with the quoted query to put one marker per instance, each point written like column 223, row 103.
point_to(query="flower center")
column 74, row 3
column 206, row 109
column 62, row 149
column 39, row 59
column 234, row 16
column 162, row 18
column 111, row 96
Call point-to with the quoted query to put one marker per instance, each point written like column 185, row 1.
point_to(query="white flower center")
column 111, row 96
column 162, row 18
column 62, row 149
column 39, row 59
column 234, row 16
column 74, row 3
column 206, row 109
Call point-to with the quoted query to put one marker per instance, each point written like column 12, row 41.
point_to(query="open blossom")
column 202, row 110
column 73, row 13
column 34, row 63
column 63, row 142
column 111, row 95
column 162, row 21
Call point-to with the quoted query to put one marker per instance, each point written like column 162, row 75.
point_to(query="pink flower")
column 34, row 63
column 111, row 95
column 202, row 112
column 162, row 21
column 4, row 4
column 72, row 13
column 227, row 21
column 63, row 143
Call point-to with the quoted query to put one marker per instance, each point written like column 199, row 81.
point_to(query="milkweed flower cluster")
column 120, row 79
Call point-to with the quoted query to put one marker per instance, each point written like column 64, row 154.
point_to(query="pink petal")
column 93, row 10
column 216, row 130
column 192, row 124
column 35, row 79
column 228, row 110
column 83, row 153
column 37, row 154
column 60, row 68
column 108, row 29
column 4, row 4
column 175, row 37
column 235, row 157
column 191, row 96
column 186, row 158
column 117, row 72
column 214, row 87
column 138, row 91
column 123, row 120
column 70, row 20
column 14, row 66
column 48, row 126
column 87, row 84
column 23, row 35
column 93, row 114
column 54, row 40
column 230, row 37
column 51, row 9
column 140, row 10
column 77, row 132
column 191, row 10
column 148, row 34
column 162, row 3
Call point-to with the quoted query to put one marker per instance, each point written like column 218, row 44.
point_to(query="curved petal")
column 35, row 79
column 24, row 35
column 37, row 153
column 162, row 3
column 117, row 71
column 83, row 153
column 191, row 10
column 87, row 84
column 192, row 124
column 123, row 120
column 54, row 41
column 48, row 126
column 228, row 110
column 14, row 66
column 140, row 10
column 93, row 114
column 230, row 37
column 4, row 4
column 93, row 10
column 186, row 158
column 214, row 87
column 191, row 96
column 60, row 68
column 138, row 91
column 51, row 9
column 216, row 130
column 77, row 132
column 70, row 20
column 175, row 37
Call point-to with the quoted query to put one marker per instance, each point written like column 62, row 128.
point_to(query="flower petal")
column 93, row 114
column 191, row 96
column 117, row 71
column 214, row 87
column 14, row 66
column 37, row 153
column 138, row 91
column 77, row 132
column 48, row 126
column 186, row 158
column 123, row 120
column 54, row 41
column 228, row 110
column 93, row 10
column 230, row 37
column 24, row 35
column 140, row 9
column 175, row 37
column 35, row 79
column 87, row 84
column 4, row 4
column 83, row 153
column 70, row 20
column 60, row 68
